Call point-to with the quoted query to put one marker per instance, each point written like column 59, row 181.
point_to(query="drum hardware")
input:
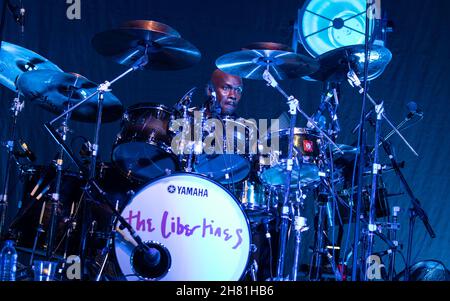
column 186, row 144
column 300, row 226
column 320, row 249
column 257, row 64
column 108, row 248
column 16, row 61
column 128, row 38
column 354, row 81
column 95, row 192
column 56, row 195
column 16, row 107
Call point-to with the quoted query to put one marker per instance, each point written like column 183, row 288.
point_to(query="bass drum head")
column 143, row 161
column 198, row 222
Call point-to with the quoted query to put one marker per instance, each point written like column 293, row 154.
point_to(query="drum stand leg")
column 300, row 226
column 320, row 249
column 55, row 203
column 39, row 230
column 253, row 270
column 108, row 248
column 316, row 260
column 16, row 108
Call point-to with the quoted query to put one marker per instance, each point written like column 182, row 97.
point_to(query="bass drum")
column 196, row 225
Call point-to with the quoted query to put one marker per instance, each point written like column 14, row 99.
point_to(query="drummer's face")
column 229, row 90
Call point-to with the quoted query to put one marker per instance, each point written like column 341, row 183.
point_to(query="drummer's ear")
column 209, row 89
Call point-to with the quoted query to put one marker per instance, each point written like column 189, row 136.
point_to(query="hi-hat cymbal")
column 55, row 91
column 335, row 64
column 165, row 48
column 251, row 63
column 15, row 60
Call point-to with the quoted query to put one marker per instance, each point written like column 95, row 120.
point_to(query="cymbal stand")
column 293, row 108
column 55, row 203
column 16, row 108
column 102, row 88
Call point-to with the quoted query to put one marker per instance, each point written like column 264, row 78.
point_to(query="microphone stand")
column 293, row 108
column 415, row 211
column 354, row 81
column 372, row 227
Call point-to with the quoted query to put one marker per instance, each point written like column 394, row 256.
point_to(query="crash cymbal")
column 15, row 60
column 251, row 63
column 165, row 48
column 51, row 90
column 334, row 65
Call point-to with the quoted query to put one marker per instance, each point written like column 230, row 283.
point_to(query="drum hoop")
column 149, row 105
column 135, row 179
column 153, row 181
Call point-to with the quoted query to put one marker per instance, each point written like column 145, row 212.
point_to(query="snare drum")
column 306, row 151
column 198, row 227
column 229, row 147
column 142, row 148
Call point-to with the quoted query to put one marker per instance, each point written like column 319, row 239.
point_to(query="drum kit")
column 167, row 207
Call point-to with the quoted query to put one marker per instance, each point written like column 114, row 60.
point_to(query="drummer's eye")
column 228, row 88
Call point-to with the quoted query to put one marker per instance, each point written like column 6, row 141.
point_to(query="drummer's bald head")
column 218, row 77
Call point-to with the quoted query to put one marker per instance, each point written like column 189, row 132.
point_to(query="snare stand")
column 293, row 108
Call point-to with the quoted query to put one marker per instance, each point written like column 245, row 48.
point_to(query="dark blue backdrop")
column 419, row 71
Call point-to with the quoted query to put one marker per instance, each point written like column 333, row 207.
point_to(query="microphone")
column 323, row 104
column 151, row 261
column 413, row 110
column 21, row 19
column 186, row 100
